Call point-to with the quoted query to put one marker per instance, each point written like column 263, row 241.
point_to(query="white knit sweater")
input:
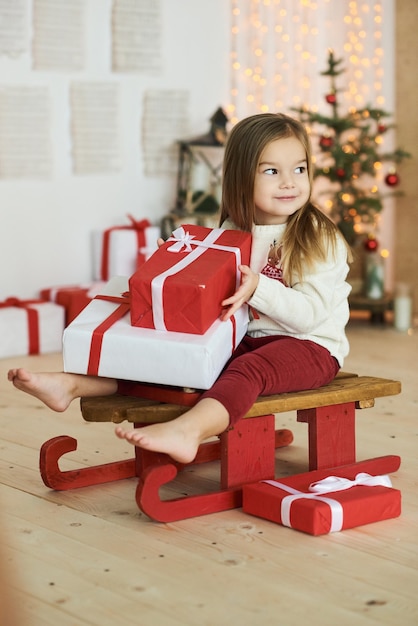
column 315, row 308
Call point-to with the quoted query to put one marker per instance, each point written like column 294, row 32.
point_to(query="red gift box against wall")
column 74, row 298
column 181, row 287
column 339, row 502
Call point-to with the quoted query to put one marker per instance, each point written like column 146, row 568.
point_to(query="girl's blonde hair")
column 309, row 232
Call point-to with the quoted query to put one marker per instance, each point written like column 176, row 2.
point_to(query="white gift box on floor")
column 120, row 250
column 146, row 355
column 30, row 328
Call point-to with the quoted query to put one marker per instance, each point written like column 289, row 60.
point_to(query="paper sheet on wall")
column 95, row 127
column 136, row 36
column 58, row 35
column 25, row 139
column 14, row 34
column 164, row 122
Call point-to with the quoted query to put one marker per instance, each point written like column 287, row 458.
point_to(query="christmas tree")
column 347, row 153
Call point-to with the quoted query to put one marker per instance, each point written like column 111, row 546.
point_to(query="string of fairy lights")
column 279, row 47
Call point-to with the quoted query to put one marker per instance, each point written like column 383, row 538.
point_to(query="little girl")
column 295, row 287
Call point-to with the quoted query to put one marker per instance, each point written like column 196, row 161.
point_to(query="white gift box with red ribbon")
column 30, row 327
column 120, row 250
column 101, row 341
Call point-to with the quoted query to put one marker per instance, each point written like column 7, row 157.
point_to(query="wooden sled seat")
column 246, row 452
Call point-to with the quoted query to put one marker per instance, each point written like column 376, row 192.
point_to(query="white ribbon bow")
column 336, row 483
column 327, row 485
column 183, row 239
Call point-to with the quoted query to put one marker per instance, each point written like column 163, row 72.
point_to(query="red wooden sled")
column 246, row 452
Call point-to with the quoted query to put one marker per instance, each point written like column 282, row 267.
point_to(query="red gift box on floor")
column 181, row 287
column 74, row 298
column 330, row 504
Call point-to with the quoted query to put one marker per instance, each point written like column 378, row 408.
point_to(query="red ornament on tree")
column 381, row 128
column 371, row 244
column 326, row 142
column 340, row 172
column 392, row 179
column 331, row 98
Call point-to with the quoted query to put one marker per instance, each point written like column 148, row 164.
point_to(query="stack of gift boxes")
column 163, row 324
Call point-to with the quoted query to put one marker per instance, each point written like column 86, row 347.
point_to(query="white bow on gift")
column 329, row 484
column 183, row 239
column 336, row 483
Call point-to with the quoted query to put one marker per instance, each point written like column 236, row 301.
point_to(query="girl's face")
column 281, row 185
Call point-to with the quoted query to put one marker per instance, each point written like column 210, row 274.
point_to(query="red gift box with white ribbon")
column 121, row 250
column 74, row 298
column 101, row 341
column 181, row 287
column 30, row 327
column 330, row 504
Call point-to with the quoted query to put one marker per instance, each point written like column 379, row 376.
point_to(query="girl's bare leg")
column 181, row 437
column 58, row 389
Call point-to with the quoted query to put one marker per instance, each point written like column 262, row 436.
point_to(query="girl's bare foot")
column 167, row 437
column 58, row 389
column 53, row 389
column 181, row 437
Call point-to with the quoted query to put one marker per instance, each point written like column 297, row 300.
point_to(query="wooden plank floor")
column 89, row 557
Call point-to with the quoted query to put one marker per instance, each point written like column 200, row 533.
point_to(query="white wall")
column 45, row 226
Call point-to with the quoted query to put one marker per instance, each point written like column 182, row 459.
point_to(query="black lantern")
column 200, row 170
column 199, row 178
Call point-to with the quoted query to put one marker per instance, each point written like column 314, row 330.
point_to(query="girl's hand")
column 249, row 282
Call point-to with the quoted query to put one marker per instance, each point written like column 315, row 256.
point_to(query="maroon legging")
column 264, row 366
column 269, row 365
